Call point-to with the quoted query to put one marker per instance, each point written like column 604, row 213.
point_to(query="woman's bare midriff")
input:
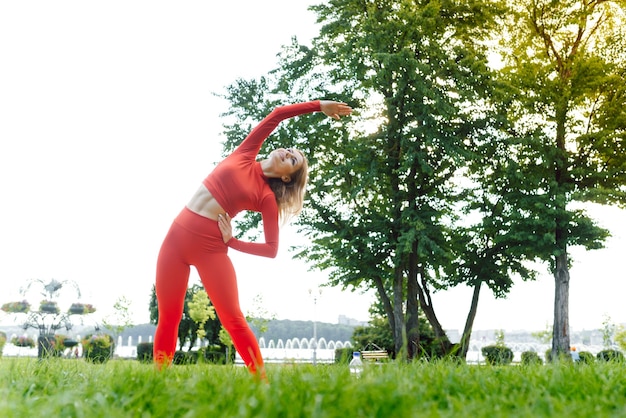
column 203, row 203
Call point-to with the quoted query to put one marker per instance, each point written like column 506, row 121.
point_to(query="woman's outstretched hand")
column 335, row 109
column 223, row 221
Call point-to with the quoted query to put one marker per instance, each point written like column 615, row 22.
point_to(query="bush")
column 51, row 345
column 145, row 355
column 610, row 355
column 215, row 357
column 185, row 357
column 343, row 355
column 563, row 356
column 586, row 357
column 145, row 352
column 98, row 348
column 531, row 357
column 497, row 355
column 3, row 341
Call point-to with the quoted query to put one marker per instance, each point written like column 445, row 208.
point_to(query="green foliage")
column 497, row 354
column 227, row 341
column 499, row 336
column 377, row 332
column 69, row 388
column 145, row 352
column 185, row 357
column 563, row 356
column 3, row 340
column 565, row 109
column 98, row 348
column 608, row 329
column 344, row 355
column 611, row 356
column 200, row 311
column 451, row 172
column 620, row 337
column 58, row 345
column 530, row 358
column 544, row 336
column 382, row 197
column 548, row 355
column 201, row 356
column 214, row 356
column 188, row 328
column 586, row 357
column 121, row 318
column 259, row 318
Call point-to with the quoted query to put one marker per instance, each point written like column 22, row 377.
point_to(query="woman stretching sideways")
column 201, row 234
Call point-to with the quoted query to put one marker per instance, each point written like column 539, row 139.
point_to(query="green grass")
column 74, row 388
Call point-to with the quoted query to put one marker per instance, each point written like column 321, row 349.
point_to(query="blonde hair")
column 290, row 196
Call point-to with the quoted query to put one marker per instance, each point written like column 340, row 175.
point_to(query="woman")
column 202, row 233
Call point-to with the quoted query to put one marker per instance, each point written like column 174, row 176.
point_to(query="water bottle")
column 356, row 364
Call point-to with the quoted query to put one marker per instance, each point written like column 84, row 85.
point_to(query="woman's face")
column 285, row 162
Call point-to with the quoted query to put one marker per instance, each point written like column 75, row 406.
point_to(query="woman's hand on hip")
column 223, row 221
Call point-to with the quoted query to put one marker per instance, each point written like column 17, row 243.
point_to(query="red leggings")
column 194, row 240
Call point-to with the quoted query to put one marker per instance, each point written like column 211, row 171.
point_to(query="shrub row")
column 145, row 355
column 585, row 357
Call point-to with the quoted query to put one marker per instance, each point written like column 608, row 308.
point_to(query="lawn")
column 127, row 388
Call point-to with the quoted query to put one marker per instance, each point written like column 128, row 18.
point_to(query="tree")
column 377, row 332
column 121, row 318
column 608, row 329
column 259, row 317
column 620, row 337
column 545, row 336
column 565, row 64
column 200, row 311
column 227, row 342
column 385, row 193
column 188, row 328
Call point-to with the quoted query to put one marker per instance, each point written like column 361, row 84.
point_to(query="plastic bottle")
column 356, row 364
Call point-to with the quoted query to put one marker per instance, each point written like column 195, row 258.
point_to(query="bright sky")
column 108, row 124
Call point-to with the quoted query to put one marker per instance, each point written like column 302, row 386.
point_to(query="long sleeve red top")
column 238, row 182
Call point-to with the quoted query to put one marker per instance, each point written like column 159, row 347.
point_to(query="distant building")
column 344, row 320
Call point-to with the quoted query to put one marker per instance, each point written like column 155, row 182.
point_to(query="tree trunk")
column 384, row 298
column 560, row 339
column 46, row 346
column 412, row 307
column 429, row 311
column 399, row 335
column 469, row 323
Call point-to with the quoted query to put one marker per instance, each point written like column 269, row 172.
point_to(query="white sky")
column 108, row 124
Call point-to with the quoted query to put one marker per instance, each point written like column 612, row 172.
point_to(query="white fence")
column 294, row 350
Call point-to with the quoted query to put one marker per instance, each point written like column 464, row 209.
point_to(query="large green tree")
column 385, row 192
column 565, row 63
